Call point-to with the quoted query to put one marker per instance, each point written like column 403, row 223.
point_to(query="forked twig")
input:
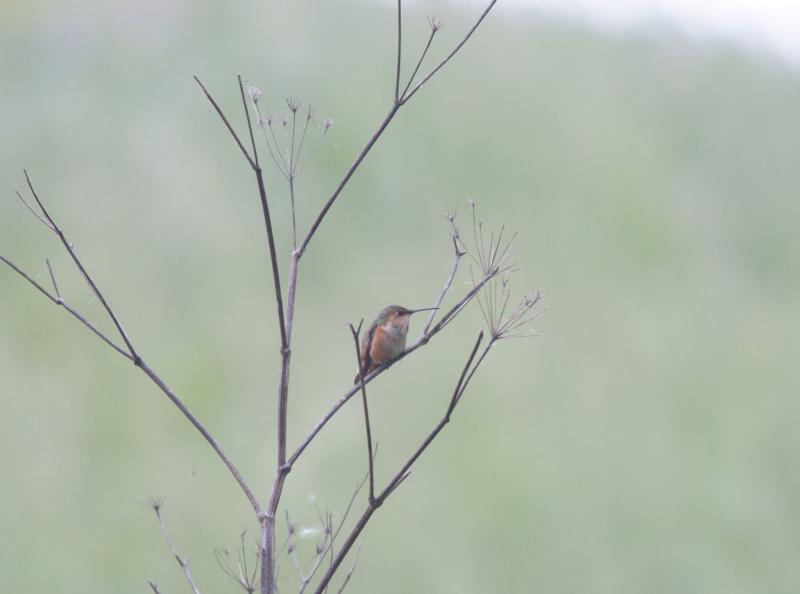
column 155, row 504
column 352, row 569
column 129, row 352
column 405, row 471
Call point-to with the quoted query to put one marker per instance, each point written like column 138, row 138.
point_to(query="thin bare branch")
column 399, row 51
column 453, row 53
column 153, row 587
column 131, row 353
column 459, row 389
column 72, row 311
column 399, row 102
column 34, row 213
column 249, row 123
column 419, row 62
column 182, row 561
column 53, row 280
column 448, row 283
column 71, row 251
column 348, row 174
column 403, row 473
column 227, row 124
column 355, row 332
column 154, row 377
column 352, row 569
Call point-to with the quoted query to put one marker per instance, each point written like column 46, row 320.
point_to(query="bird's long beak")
column 413, row 311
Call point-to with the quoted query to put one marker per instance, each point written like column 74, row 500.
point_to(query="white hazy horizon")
column 771, row 26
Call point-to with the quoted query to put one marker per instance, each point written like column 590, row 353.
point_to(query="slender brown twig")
column 433, row 72
column 355, row 332
column 399, row 51
column 71, row 251
column 131, row 354
column 226, row 122
column 155, row 505
column 266, row 515
column 448, row 283
column 383, row 125
column 352, row 569
column 403, row 473
column 434, row 29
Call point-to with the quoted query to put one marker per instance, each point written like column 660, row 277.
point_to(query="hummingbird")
column 386, row 337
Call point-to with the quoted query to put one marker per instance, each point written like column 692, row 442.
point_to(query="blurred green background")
column 646, row 442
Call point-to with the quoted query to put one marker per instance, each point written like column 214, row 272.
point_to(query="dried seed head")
column 255, row 93
column 311, row 112
column 155, row 502
column 291, row 548
column 293, row 103
column 502, row 322
column 327, row 124
column 435, row 23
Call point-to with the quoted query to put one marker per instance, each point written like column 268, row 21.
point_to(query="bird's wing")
column 366, row 344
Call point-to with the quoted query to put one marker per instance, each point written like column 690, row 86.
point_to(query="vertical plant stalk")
column 285, row 316
column 399, row 50
column 374, row 503
column 355, row 332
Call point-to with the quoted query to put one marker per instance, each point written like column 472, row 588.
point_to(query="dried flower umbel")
column 286, row 147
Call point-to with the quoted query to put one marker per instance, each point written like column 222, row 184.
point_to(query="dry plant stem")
column 350, row 572
column 355, row 334
column 182, row 561
column 398, row 102
column 421, row 59
column 83, row 272
column 404, row 472
column 131, row 354
column 267, row 517
column 226, row 122
column 441, row 64
column 348, row 174
column 58, row 301
column 399, row 50
column 153, row 587
column 204, row 432
column 294, row 216
column 448, row 283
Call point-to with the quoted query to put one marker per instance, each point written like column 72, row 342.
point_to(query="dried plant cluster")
column 291, row 138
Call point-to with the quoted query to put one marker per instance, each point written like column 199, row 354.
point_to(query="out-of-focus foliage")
column 646, row 442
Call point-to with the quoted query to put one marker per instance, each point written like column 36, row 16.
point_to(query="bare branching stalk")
column 374, row 503
column 128, row 352
column 396, row 105
column 490, row 255
column 352, row 569
column 399, row 50
column 155, row 504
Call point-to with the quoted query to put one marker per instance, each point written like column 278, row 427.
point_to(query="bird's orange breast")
column 385, row 346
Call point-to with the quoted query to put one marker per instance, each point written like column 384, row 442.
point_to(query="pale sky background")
column 762, row 25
